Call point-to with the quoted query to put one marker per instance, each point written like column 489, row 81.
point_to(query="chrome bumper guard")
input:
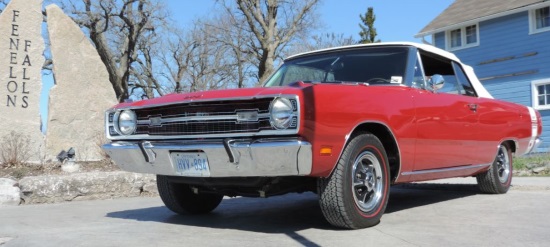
column 538, row 142
column 226, row 158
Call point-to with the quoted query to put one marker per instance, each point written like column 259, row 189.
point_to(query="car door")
column 446, row 119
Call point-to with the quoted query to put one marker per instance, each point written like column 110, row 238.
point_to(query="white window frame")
column 462, row 37
column 535, row 94
column 533, row 22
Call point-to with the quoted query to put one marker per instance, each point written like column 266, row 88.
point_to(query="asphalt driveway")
column 441, row 213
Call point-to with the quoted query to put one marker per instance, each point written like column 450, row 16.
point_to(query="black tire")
column 181, row 200
column 364, row 159
column 498, row 178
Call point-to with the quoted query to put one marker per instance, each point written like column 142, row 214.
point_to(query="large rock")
column 84, row 186
column 9, row 192
column 82, row 91
column 21, row 60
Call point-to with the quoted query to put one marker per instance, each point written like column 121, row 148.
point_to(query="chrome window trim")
column 450, row 169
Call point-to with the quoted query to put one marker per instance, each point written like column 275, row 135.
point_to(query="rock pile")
column 75, row 187
column 535, row 169
column 9, row 192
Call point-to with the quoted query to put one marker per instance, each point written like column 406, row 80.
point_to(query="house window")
column 541, row 94
column 463, row 37
column 540, row 20
column 471, row 34
column 456, row 38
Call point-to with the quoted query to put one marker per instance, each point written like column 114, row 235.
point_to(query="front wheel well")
column 384, row 134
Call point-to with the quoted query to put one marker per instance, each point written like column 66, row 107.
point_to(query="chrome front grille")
column 204, row 118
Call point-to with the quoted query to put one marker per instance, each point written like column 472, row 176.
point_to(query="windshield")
column 372, row 65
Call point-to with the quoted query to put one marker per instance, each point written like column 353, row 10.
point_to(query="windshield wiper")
column 340, row 82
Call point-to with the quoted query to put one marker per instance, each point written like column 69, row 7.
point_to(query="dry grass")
column 54, row 168
column 15, row 149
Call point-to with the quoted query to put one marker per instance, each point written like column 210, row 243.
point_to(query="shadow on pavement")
column 291, row 213
column 407, row 196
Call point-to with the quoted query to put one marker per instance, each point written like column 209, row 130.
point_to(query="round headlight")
column 281, row 113
column 127, row 122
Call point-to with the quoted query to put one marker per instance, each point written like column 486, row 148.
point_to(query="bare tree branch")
column 116, row 27
column 263, row 20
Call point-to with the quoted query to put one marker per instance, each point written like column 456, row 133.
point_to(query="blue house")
column 508, row 44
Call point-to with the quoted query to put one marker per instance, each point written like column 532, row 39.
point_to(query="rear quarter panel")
column 503, row 121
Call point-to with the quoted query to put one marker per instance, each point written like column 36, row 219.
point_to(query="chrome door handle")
column 473, row 107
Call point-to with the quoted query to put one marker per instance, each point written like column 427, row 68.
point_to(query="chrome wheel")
column 503, row 164
column 498, row 178
column 368, row 181
column 356, row 194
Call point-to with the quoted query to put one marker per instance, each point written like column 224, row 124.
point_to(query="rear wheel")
column 180, row 198
column 498, row 178
column 356, row 194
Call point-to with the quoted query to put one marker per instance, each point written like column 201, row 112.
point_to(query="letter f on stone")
column 15, row 14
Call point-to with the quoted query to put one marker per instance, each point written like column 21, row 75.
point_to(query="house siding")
column 508, row 37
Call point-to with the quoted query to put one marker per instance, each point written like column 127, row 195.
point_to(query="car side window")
column 418, row 79
column 466, row 87
column 434, row 65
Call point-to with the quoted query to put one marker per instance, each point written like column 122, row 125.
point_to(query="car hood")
column 226, row 94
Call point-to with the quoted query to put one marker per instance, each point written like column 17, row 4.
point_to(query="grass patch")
column 530, row 161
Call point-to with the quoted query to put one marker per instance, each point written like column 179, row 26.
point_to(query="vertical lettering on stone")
column 12, row 86
column 21, row 57
column 14, row 43
column 13, row 57
column 19, row 62
column 15, row 14
column 27, row 45
column 14, row 30
column 25, row 74
column 25, row 104
column 12, row 76
column 25, row 91
column 27, row 60
column 11, row 100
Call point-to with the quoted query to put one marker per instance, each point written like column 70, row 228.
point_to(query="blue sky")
column 396, row 20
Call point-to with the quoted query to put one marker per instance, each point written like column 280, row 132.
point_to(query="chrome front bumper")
column 226, row 158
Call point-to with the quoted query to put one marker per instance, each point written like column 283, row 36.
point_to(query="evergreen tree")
column 368, row 31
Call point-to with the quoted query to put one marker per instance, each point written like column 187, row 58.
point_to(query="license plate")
column 190, row 164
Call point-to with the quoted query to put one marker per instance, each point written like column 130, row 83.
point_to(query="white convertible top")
column 478, row 87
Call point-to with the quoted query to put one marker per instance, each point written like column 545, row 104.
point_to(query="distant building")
column 508, row 44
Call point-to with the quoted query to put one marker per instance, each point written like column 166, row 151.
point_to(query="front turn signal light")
column 326, row 151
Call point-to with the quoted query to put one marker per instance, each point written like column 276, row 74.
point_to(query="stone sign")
column 82, row 92
column 21, row 60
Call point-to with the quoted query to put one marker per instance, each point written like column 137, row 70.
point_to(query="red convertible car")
column 345, row 123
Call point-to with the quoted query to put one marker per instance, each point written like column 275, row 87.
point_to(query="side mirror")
column 436, row 82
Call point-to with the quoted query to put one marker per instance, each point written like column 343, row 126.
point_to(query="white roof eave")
column 484, row 18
